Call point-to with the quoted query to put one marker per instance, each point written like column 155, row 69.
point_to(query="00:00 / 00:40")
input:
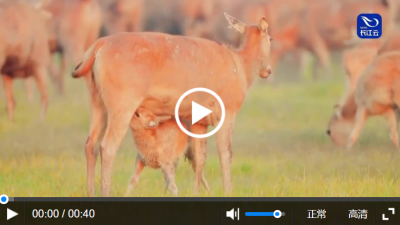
column 55, row 213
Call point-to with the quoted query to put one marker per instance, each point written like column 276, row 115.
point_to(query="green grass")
column 279, row 144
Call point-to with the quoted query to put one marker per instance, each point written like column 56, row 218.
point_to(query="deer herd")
column 135, row 78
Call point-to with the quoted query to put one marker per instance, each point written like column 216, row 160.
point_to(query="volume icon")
column 233, row 214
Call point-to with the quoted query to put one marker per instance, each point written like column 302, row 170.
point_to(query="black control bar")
column 210, row 211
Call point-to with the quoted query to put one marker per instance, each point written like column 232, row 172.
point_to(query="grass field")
column 280, row 149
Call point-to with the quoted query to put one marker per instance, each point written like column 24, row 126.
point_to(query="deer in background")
column 371, row 77
column 124, row 16
column 24, row 49
column 76, row 25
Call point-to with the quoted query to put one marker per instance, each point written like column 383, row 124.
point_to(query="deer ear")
column 235, row 23
column 263, row 25
column 161, row 119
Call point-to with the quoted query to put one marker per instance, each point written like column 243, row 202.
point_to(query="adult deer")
column 24, row 50
column 152, row 70
column 76, row 25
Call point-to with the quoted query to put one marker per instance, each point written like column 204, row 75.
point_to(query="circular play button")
column 199, row 112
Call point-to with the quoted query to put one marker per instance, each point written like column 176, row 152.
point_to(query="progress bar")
column 276, row 214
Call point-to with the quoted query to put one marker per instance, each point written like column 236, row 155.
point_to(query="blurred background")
column 280, row 144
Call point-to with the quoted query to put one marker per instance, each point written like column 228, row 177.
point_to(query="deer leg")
column 176, row 163
column 205, row 183
column 65, row 63
column 169, row 175
column 298, row 58
column 7, row 83
column 119, row 116
column 396, row 113
column 200, row 154
column 117, row 126
column 203, row 179
column 189, row 154
column 54, row 70
column 391, row 119
column 40, row 76
column 139, row 165
column 321, row 51
column 97, row 128
column 224, row 144
column 361, row 117
column 28, row 88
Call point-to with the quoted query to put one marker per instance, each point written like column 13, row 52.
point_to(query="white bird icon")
column 367, row 21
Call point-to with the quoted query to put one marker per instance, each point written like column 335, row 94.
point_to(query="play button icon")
column 199, row 112
column 11, row 214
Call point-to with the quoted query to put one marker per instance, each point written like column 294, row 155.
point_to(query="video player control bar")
column 214, row 211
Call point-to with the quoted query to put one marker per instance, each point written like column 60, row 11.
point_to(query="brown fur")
column 378, row 93
column 160, row 143
column 356, row 61
column 152, row 70
column 373, row 91
column 24, row 50
column 392, row 42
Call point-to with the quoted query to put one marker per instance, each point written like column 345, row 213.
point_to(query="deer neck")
column 251, row 58
column 349, row 108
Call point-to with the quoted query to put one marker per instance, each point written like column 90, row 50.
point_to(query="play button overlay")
column 11, row 214
column 199, row 112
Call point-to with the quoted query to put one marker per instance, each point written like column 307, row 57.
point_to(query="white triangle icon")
column 198, row 112
column 11, row 214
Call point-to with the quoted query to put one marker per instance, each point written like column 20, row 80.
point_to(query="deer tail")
column 85, row 66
